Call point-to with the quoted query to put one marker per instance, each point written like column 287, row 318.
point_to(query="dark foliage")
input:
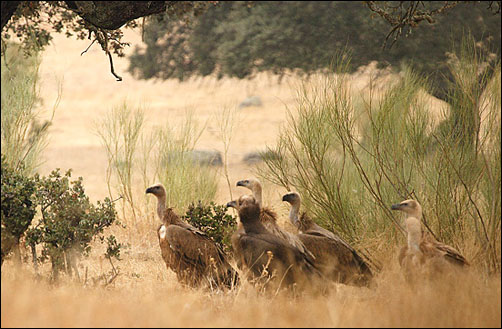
column 18, row 208
column 69, row 222
column 212, row 220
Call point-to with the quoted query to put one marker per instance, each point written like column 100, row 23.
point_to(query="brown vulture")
column 423, row 251
column 335, row 258
column 270, row 259
column 189, row 252
column 269, row 218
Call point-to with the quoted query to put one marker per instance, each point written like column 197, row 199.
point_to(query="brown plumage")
column 189, row 252
column 269, row 218
column 422, row 250
column 335, row 258
column 267, row 256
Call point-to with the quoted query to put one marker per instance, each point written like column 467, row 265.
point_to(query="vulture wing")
column 191, row 247
column 196, row 251
column 347, row 255
column 430, row 246
column 336, row 261
column 287, row 254
column 268, row 219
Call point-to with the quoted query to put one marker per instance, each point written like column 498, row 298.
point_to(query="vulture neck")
column 161, row 206
column 251, row 222
column 256, row 189
column 414, row 229
column 254, row 227
column 293, row 213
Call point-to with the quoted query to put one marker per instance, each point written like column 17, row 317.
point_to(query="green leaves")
column 212, row 220
column 17, row 207
column 69, row 221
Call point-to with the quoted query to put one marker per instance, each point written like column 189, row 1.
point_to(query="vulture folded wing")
column 253, row 252
column 402, row 254
column 191, row 247
column 268, row 219
column 318, row 230
column 449, row 253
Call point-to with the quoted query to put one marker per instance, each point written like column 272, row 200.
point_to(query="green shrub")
column 214, row 221
column 69, row 222
column 18, row 207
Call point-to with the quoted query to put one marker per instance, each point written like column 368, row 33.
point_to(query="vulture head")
column 254, row 185
column 249, row 183
column 158, row 190
column 232, row 204
column 410, row 207
column 247, row 206
column 293, row 198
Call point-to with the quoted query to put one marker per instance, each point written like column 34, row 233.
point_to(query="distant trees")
column 238, row 39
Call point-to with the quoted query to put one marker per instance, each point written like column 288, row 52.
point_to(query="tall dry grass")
column 141, row 153
column 23, row 136
column 153, row 298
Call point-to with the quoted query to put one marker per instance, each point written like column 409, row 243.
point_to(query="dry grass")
column 145, row 294
column 155, row 299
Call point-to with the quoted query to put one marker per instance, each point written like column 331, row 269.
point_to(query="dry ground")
column 145, row 294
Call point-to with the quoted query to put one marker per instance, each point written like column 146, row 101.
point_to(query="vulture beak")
column 232, row 204
column 396, row 206
column 149, row 190
column 241, row 183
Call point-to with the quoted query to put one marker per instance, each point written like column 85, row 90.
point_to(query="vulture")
column 268, row 257
column 423, row 250
column 189, row 252
column 269, row 218
column 335, row 258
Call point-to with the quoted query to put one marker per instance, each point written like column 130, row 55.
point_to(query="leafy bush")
column 214, row 221
column 69, row 222
column 18, row 208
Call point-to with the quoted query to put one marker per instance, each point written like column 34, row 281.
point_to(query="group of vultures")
column 275, row 258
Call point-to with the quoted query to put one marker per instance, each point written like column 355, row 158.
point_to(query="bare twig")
column 119, row 78
column 87, row 47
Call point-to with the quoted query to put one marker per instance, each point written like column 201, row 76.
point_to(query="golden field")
column 145, row 294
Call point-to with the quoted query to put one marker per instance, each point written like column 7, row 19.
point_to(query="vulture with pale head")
column 267, row 256
column 269, row 218
column 422, row 249
column 189, row 252
column 335, row 258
